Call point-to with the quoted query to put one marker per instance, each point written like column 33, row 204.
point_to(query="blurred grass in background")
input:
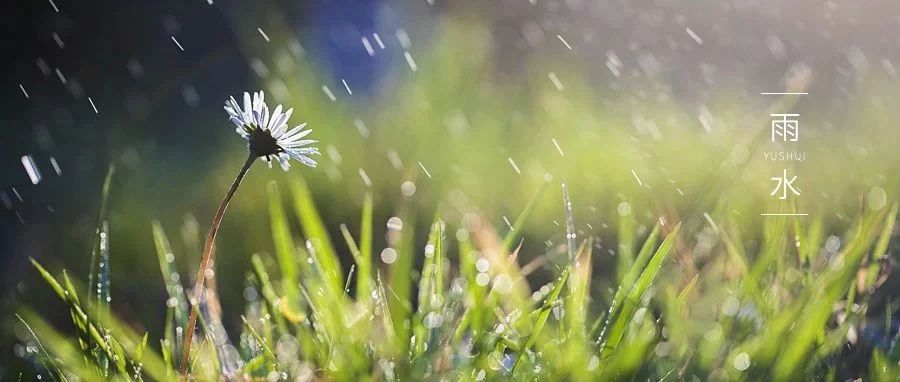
column 734, row 287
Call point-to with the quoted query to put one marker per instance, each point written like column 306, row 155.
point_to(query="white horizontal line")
column 766, row 214
column 804, row 93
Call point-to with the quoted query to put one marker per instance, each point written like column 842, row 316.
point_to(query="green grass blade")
column 510, row 237
column 579, row 290
column 268, row 293
column 625, row 253
column 364, row 278
column 285, row 251
column 399, row 285
column 619, row 324
column 831, row 287
column 101, row 218
column 315, row 231
column 627, row 281
column 542, row 317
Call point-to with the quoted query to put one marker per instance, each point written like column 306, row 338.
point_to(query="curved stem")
column 204, row 263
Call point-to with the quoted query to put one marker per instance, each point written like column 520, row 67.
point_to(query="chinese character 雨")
column 784, row 184
column 787, row 129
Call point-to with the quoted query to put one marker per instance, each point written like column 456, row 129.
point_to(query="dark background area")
column 156, row 102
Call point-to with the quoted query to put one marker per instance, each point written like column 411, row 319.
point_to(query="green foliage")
column 655, row 290
column 463, row 327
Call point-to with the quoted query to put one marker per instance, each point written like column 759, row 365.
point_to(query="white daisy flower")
column 267, row 134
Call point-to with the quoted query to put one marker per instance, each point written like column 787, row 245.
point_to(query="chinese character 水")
column 784, row 184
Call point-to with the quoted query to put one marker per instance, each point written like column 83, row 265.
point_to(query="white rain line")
column 368, row 46
column 425, row 169
column 365, row 177
column 694, row 36
column 54, row 6
column 403, row 38
column 636, row 177
column 177, row 43
column 508, row 224
column 59, row 41
column 55, row 166
column 555, row 143
column 378, row 40
column 410, row 61
column 334, row 154
column 42, row 65
column 555, row 80
column 31, row 168
column 705, row 123
column 329, row 93
column 346, row 86
column 395, row 160
column 784, row 93
column 513, row 163
column 17, row 194
column 59, row 74
column 774, row 214
column 93, row 106
column 263, row 33
column 566, row 43
column 361, row 127
column 23, row 91
column 711, row 222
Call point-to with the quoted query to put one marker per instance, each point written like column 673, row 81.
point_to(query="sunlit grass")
column 662, row 269
column 475, row 321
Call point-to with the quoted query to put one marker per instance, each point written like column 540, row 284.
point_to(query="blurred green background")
column 477, row 106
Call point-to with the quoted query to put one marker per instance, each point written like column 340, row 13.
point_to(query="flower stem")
column 204, row 263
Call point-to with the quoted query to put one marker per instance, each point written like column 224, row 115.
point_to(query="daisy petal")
column 256, row 117
column 304, row 151
column 302, row 159
column 284, row 160
column 297, row 144
column 296, row 133
column 272, row 123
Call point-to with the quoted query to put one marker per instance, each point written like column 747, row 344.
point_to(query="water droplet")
column 876, row 198
column 433, row 320
column 731, row 306
column 742, row 361
column 624, row 209
column 389, row 255
column 482, row 279
column 408, row 188
column 503, row 283
column 482, row 265
column 394, row 224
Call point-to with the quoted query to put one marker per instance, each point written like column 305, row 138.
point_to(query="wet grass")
column 741, row 316
column 651, row 263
